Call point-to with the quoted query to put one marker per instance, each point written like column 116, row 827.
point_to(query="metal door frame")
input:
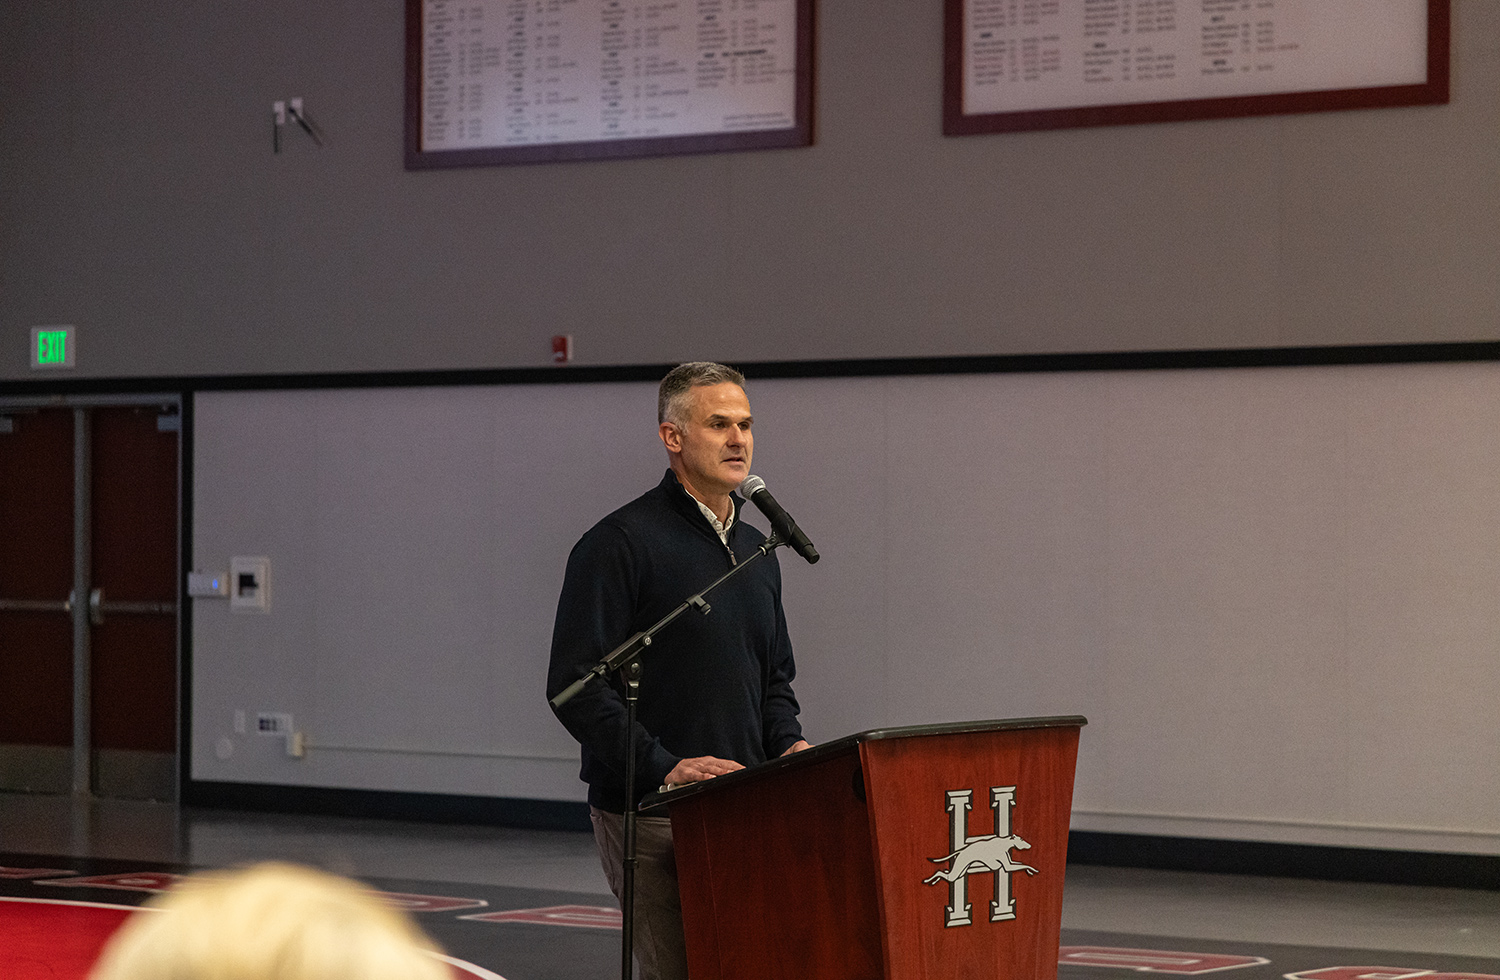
column 82, row 603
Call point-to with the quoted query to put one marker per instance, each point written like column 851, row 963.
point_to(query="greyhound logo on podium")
column 988, row 853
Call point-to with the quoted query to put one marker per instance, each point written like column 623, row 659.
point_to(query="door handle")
column 97, row 607
column 35, row 605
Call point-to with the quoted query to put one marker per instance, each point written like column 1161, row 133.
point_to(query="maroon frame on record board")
column 800, row 134
column 956, row 123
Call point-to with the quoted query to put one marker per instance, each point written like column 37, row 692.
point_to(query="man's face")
column 714, row 443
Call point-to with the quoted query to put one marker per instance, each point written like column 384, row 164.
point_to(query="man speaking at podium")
column 716, row 689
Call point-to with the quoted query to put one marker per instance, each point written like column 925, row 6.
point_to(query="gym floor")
column 1138, row 904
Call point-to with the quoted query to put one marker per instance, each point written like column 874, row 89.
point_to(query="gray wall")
column 141, row 202
column 1271, row 591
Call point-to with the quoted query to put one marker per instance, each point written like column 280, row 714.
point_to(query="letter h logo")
column 984, row 853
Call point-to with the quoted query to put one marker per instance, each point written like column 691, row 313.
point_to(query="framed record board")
column 1014, row 65
column 535, row 81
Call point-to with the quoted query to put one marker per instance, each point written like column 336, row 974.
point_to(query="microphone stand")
column 626, row 658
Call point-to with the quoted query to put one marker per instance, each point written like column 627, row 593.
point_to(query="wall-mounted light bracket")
column 281, row 109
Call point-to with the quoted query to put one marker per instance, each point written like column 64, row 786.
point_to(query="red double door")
column 133, row 457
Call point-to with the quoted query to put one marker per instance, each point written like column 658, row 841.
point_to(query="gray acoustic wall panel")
column 1272, row 591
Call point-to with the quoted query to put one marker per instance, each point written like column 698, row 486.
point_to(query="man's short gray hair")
column 671, row 396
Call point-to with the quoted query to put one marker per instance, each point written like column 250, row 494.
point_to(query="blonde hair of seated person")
column 269, row 922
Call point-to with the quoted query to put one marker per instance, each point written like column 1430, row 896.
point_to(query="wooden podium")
column 928, row 853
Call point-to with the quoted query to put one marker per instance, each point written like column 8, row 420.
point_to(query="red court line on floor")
column 47, row 940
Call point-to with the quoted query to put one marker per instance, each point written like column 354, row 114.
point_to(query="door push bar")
column 97, row 606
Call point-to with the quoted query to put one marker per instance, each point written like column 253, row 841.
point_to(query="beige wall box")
column 207, row 585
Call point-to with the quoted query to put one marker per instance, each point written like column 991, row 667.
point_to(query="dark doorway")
column 131, row 650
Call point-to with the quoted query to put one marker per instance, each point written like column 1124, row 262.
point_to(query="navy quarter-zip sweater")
column 717, row 685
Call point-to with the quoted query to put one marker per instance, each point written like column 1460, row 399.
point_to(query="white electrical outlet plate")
column 250, row 583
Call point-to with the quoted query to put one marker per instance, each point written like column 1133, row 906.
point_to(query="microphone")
column 754, row 489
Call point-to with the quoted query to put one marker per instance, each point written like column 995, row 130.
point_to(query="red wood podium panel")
column 902, row 854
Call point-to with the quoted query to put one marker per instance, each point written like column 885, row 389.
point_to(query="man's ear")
column 671, row 437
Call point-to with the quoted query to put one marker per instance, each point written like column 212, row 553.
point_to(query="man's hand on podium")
column 707, row 767
column 701, row 768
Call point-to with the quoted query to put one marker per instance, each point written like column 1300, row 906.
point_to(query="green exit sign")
column 52, row 347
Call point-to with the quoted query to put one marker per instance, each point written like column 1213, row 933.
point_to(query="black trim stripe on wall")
column 1368, row 865
column 1166, row 360
column 1278, row 860
column 483, row 811
column 184, row 601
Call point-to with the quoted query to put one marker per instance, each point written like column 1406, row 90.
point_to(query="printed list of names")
column 510, row 73
column 1024, row 55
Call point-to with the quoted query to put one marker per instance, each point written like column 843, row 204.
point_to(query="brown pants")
column 660, row 950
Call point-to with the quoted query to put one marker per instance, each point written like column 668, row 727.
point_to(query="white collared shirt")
column 722, row 528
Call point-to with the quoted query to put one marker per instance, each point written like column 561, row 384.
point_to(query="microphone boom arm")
column 621, row 655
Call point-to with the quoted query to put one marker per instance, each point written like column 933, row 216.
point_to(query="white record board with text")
column 1019, row 60
column 511, row 78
